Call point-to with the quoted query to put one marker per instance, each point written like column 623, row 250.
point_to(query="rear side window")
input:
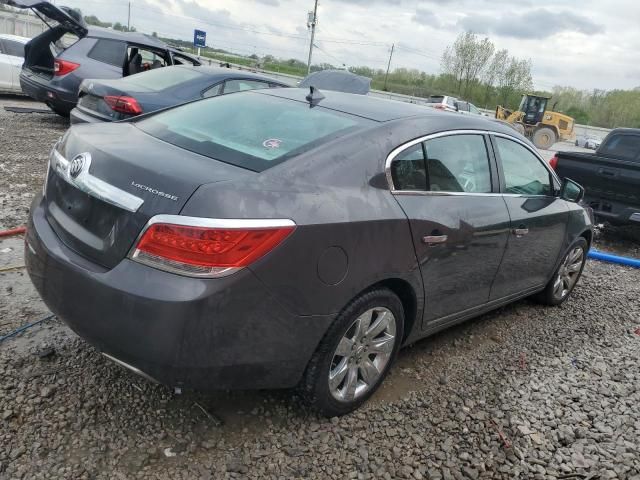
column 108, row 51
column 9, row 47
column 182, row 60
column 524, row 173
column 249, row 130
column 408, row 170
column 626, row 147
column 232, row 86
column 458, row 163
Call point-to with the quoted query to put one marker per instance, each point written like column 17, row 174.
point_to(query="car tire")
column 544, row 138
column 357, row 364
column 566, row 276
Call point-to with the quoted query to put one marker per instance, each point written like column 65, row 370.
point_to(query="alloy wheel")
column 568, row 273
column 362, row 354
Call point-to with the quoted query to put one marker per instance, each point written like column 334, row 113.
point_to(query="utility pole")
column 311, row 23
column 388, row 67
column 129, row 18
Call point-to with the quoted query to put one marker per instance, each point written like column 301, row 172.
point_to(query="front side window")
column 408, row 170
column 458, row 163
column 524, row 173
column 473, row 109
column 182, row 60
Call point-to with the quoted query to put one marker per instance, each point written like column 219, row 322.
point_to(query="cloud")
column 425, row 17
column 535, row 24
column 271, row 3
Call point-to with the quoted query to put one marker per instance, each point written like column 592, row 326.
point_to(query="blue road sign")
column 199, row 38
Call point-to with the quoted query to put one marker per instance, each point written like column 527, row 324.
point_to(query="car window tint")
column 408, row 170
column 458, row 163
column 15, row 49
column 213, row 91
column 248, row 129
column 232, row 86
column 622, row 146
column 523, row 172
column 108, row 51
column 435, row 99
column 161, row 79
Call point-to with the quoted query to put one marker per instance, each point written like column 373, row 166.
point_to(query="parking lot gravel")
column 524, row 392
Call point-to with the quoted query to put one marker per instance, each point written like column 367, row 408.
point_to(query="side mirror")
column 571, row 191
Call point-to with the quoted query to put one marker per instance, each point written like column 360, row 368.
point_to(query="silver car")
column 11, row 59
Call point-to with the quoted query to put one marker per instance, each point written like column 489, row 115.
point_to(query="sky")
column 586, row 44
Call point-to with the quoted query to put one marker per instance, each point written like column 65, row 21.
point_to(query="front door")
column 447, row 186
column 538, row 219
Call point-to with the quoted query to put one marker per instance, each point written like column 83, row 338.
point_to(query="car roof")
column 378, row 109
column 232, row 72
column 15, row 38
column 134, row 37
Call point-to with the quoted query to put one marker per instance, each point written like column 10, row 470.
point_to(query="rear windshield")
column 248, row 129
column 162, row 78
column 435, row 99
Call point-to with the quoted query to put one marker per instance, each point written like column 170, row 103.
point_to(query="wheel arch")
column 588, row 236
column 407, row 295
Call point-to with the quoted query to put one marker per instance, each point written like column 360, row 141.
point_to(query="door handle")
column 435, row 239
column 520, row 232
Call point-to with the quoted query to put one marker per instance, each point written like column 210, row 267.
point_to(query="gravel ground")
column 525, row 392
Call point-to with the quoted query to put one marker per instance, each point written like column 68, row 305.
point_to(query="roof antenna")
column 314, row 96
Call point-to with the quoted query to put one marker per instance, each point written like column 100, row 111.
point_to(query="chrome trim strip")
column 135, row 370
column 397, row 151
column 227, row 223
column 94, row 186
column 635, row 217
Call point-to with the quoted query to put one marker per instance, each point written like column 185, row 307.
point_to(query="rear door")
column 538, row 218
column 447, row 185
column 15, row 57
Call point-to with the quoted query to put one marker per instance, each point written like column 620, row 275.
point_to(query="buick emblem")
column 77, row 165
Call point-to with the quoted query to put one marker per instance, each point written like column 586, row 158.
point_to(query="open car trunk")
column 41, row 51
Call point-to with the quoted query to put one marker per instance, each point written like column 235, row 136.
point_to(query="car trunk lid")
column 100, row 212
column 92, row 96
column 46, row 10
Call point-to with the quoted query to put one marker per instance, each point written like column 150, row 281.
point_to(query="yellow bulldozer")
column 533, row 120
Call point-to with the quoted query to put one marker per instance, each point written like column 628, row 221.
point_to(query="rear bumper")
column 41, row 89
column 179, row 331
column 77, row 116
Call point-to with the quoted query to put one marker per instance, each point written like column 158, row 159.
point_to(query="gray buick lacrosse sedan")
column 286, row 237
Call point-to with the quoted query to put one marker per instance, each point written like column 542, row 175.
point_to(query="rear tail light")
column 554, row 162
column 440, row 107
column 122, row 104
column 210, row 248
column 63, row 67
